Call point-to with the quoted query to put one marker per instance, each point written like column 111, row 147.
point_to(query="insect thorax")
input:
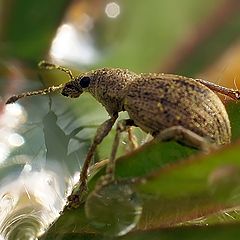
column 111, row 87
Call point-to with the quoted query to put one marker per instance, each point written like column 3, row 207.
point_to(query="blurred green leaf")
column 147, row 33
column 29, row 26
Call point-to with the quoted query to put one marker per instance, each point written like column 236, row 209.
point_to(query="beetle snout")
column 71, row 90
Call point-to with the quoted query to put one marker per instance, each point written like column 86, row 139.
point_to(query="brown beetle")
column 166, row 106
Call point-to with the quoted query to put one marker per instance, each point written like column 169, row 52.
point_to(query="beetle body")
column 155, row 102
column 158, row 101
column 164, row 105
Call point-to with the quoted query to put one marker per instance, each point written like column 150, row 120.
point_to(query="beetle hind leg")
column 185, row 137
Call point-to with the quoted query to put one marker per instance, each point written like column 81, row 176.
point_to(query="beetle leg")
column 133, row 144
column 234, row 94
column 122, row 126
column 76, row 196
column 184, row 136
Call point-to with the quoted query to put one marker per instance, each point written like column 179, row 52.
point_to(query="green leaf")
column 174, row 187
column 219, row 232
column 26, row 33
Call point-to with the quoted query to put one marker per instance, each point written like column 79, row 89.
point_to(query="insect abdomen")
column 156, row 102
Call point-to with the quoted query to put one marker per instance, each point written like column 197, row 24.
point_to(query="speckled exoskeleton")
column 166, row 106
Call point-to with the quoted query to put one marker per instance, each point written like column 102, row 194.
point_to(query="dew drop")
column 114, row 209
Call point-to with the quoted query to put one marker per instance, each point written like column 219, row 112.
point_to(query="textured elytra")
column 157, row 102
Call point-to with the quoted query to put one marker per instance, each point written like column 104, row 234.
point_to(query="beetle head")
column 76, row 87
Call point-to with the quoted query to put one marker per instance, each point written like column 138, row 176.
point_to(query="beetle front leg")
column 184, row 136
column 76, row 196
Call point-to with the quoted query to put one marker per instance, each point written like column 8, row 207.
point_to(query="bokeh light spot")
column 112, row 10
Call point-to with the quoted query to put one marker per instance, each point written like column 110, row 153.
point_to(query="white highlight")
column 76, row 46
column 4, row 152
column 112, row 10
column 15, row 140
column 13, row 115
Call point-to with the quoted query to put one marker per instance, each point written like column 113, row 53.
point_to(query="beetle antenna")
column 43, row 65
column 14, row 98
column 50, row 66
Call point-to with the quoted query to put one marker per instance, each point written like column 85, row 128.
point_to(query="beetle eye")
column 85, row 81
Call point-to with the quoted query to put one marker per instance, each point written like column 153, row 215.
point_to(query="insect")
column 165, row 105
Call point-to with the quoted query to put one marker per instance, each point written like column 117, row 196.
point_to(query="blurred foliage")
column 27, row 27
column 177, row 186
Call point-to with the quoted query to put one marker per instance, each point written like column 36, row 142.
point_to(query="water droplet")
column 23, row 227
column 29, row 203
column 114, row 209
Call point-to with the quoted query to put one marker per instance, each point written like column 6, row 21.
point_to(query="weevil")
column 169, row 107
